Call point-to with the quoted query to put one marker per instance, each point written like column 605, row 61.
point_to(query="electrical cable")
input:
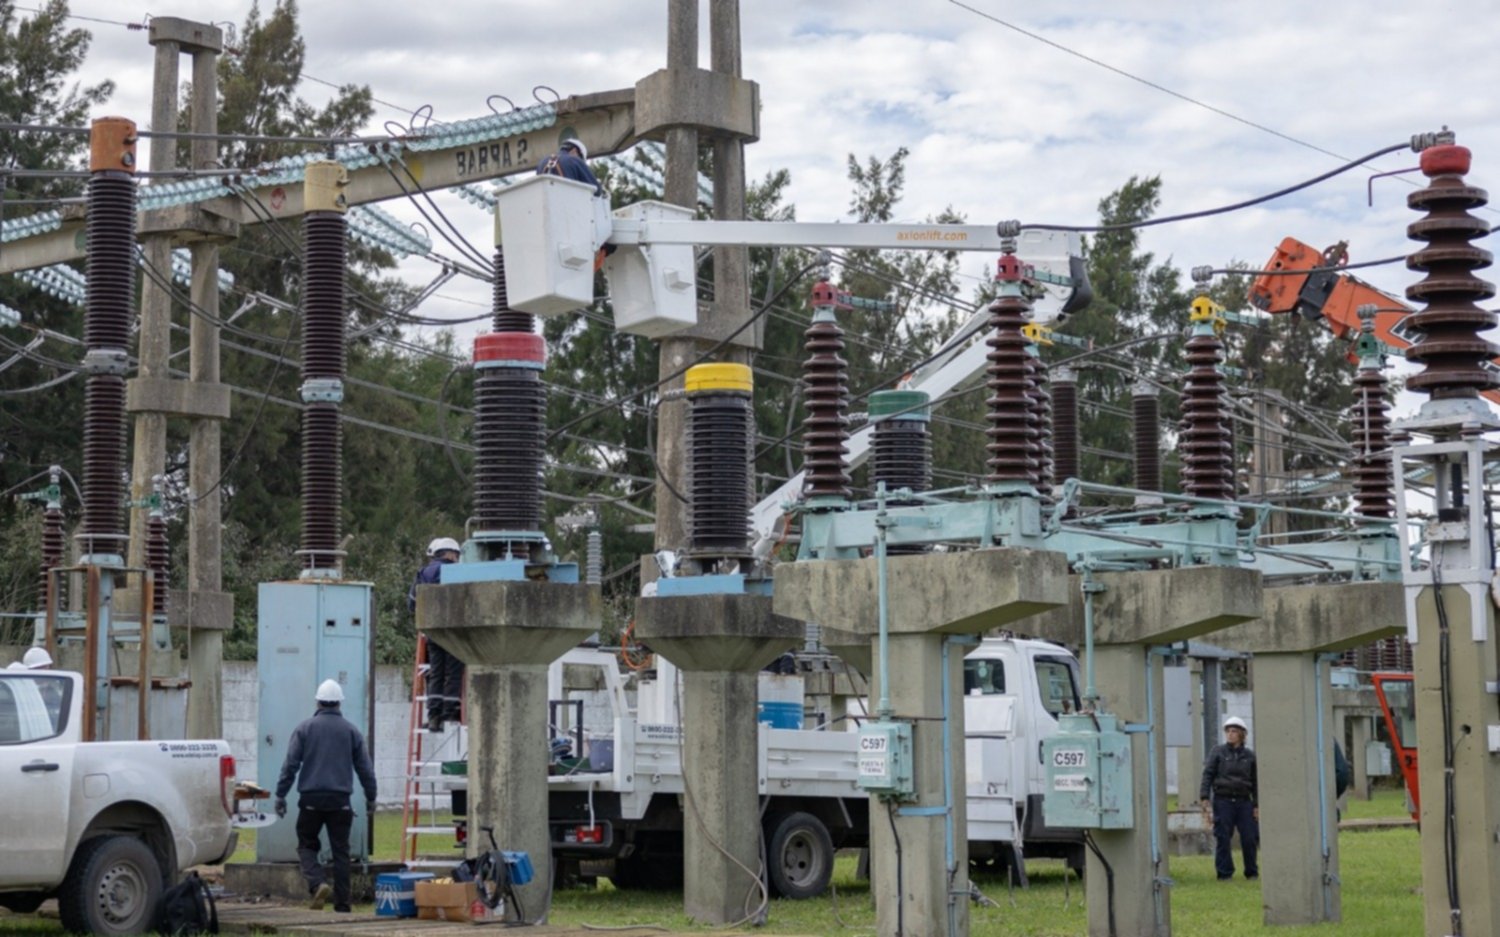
column 456, row 240
column 1445, row 705
column 1222, row 209
column 1232, row 271
column 1109, row 880
column 890, row 813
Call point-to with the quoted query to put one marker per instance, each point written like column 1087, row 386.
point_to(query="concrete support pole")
column 1213, row 695
column 150, row 442
column 1475, row 802
column 507, row 707
column 1142, row 900
column 205, row 515
column 1299, row 871
column 912, row 882
column 1359, row 740
column 722, row 863
column 1268, row 454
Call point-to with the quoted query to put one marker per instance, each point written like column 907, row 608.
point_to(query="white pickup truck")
column 630, row 811
column 101, row 826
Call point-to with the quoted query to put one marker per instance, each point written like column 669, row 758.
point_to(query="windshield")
column 1058, row 685
column 984, row 677
column 33, row 708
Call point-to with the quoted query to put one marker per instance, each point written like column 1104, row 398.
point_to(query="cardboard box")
column 453, row 901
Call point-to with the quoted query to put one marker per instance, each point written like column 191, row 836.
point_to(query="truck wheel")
column 800, row 855
column 113, row 887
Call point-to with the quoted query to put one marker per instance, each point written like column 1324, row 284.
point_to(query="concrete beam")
column 508, row 622
column 1324, row 617
column 194, row 400
column 713, row 103
column 951, row 593
column 188, row 35
column 715, row 632
column 188, row 223
column 200, row 611
column 1157, row 606
column 854, row 648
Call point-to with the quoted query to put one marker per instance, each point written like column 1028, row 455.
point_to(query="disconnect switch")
column 1089, row 780
column 885, row 760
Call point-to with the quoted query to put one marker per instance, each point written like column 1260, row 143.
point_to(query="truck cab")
column 1014, row 690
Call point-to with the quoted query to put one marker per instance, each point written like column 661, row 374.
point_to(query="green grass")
column 1381, row 873
column 1384, row 803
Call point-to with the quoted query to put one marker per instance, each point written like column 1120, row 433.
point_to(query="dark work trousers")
column 1232, row 814
column 311, row 820
column 445, row 683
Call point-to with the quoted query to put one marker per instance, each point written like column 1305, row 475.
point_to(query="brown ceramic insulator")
column 825, row 375
column 1371, row 466
column 54, row 545
column 159, row 561
column 1205, row 441
column 507, row 319
column 322, row 485
column 1065, row 430
column 102, row 529
column 111, row 263
column 720, row 446
column 1013, row 446
column 1145, row 411
column 1041, row 415
column 112, row 145
column 1449, row 345
column 510, row 421
column 324, row 249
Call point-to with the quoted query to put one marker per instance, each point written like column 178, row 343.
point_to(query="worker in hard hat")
column 445, row 673
column 35, row 658
column 571, row 162
column 1230, row 789
column 323, row 756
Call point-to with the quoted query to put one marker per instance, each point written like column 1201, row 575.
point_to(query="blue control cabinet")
column 308, row 632
column 1089, row 780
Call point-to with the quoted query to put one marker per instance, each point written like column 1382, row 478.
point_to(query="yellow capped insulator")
column 323, row 187
column 1206, row 310
column 721, row 376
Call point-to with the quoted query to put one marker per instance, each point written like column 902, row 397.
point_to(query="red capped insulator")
column 510, row 346
column 1446, row 160
column 1009, row 269
column 823, row 294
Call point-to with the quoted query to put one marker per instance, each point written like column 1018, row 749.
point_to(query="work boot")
column 342, row 909
column 435, row 721
column 320, row 896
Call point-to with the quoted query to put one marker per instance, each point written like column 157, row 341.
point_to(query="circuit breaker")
column 1089, row 779
column 885, row 759
column 308, row 632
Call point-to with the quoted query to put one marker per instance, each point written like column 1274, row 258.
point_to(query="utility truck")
column 623, row 799
column 101, row 826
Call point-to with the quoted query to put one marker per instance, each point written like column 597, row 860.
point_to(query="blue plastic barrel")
column 780, row 715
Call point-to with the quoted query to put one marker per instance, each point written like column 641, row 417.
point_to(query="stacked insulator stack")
column 1065, row 464
column 901, row 450
column 1371, row 467
column 1205, row 444
column 159, row 561
column 53, row 548
column 510, row 420
column 1041, row 413
column 720, row 444
column 825, row 374
column 1014, row 449
column 324, row 240
column 106, row 332
column 1145, row 412
column 1449, row 345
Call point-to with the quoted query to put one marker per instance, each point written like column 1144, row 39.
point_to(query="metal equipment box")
column 550, row 228
column 885, row 759
column 653, row 287
column 308, row 632
column 1089, row 780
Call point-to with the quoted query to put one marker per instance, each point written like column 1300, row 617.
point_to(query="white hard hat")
column 37, row 658
column 577, row 144
column 1235, row 722
column 329, row 691
column 441, row 544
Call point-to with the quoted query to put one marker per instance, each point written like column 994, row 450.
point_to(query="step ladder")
column 427, row 798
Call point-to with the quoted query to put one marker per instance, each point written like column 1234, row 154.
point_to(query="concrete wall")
column 392, row 723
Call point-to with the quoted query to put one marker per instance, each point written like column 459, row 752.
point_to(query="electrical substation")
column 890, row 587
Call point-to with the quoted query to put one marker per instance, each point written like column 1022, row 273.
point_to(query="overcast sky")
column 1000, row 125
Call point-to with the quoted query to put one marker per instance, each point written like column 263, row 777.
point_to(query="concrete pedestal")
column 1359, row 740
column 719, row 642
column 1476, row 777
column 1134, row 612
column 1299, row 883
column 921, row 887
column 508, row 633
